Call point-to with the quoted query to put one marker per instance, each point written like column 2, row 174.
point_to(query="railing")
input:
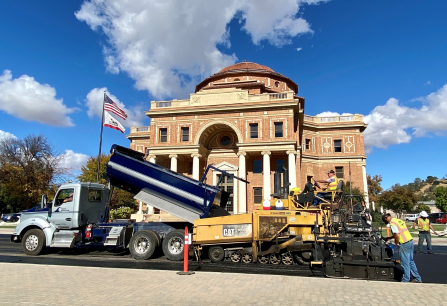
column 333, row 118
column 277, row 96
column 198, row 100
column 163, row 104
column 136, row 129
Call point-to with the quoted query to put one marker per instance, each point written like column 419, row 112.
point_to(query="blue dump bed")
column 162, row 188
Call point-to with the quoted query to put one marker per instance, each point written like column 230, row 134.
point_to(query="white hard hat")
column 424, row 214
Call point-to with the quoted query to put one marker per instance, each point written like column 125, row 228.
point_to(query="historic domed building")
column 248, row 120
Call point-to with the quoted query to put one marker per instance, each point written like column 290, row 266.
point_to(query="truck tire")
column 216, row 253
column 142, row 245
column 33, row 242
column 173, row 244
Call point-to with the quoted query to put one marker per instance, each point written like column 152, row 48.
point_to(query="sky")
column 383, row 59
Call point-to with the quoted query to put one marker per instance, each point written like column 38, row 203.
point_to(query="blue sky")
column 383, row 59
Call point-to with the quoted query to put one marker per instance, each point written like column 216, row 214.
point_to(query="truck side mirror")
column 50, row 208
column 43, row 202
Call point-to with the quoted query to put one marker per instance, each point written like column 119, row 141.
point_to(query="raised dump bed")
column 162, row 188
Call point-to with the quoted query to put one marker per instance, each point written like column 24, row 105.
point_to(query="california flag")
column 111, row 122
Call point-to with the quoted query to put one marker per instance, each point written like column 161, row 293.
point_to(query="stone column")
column 173, row 158
column 242, row 185
column 140, row 209
column 292, row 169
column 267, row 188
column 195, row 165
column 365, row 185
column 152, row 158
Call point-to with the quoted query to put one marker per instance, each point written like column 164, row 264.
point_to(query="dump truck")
column 330, row 237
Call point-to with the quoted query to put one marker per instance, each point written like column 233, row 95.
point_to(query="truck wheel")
column 216, row 253
column 33, row 242
column 142, row 245
column 173, row 245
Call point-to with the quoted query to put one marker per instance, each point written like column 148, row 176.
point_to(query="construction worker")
column 332, row 183
column 402, row 237
column 424, row 228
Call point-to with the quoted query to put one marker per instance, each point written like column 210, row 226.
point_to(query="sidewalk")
column 65, row 285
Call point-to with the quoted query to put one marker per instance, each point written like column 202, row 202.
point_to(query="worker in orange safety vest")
column 402, row 238
column 424, row 228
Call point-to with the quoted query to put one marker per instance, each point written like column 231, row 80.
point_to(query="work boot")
column 430, row 252
column 418, row 252
column 415, row 281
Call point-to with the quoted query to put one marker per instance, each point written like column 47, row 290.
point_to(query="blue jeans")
column 316, row 200
column 427, row 237
column 407, row 262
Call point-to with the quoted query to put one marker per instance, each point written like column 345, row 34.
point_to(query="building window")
column 236, row 79
column 339, row 172
column 276, row 84
column 279, row 164
column 190, row 168
column 257, row 166
column 337, row 146
column 225, row 141
column 185, row 134
column 164, row 135
column 257, row 195
column 308, row 144
column 253, row 130
column 278, row 129
column 227, row 184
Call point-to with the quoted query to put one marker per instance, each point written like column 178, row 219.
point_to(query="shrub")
column 121, row 213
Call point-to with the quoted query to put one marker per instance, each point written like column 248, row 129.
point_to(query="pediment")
column 226, row 166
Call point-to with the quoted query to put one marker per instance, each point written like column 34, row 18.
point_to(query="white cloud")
column 27, row 99
column 5, row 135
column 394, row 124
column 169, row 46
column 332, row 114
column 73, row 161
column 94, row 101
column 427, row 83
column 299, row 49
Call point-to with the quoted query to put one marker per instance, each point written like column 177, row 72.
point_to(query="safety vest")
column 404, row 234
column 423, row 225
column 334, row 184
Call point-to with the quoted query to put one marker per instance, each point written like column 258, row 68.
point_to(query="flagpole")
column 100, row 138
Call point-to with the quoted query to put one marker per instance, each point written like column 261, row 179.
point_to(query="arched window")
column 236, row 79
column 277, row 84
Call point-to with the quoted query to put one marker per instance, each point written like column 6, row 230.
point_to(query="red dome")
column 246, row 65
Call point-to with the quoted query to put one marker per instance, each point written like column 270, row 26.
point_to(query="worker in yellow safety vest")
column 332, row 183
column 424, row 228
column 402, row 237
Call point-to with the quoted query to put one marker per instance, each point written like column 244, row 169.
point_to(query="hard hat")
column 424, row 214
column 331, row 171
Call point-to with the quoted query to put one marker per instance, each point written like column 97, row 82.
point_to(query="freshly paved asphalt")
column 433, row 268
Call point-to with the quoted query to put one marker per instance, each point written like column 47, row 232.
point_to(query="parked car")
column 435, row 216
column 411, row 218
column 442, row 220
column 11, row 217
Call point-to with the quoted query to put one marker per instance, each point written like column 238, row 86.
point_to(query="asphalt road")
column 433, row 268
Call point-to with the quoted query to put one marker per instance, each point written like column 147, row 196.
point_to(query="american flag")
column 112, row 107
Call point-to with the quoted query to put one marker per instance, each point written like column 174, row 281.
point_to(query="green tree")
column 423, row 207
column 29, row 167
column 88, row 174
column 441, row 198
column 431, row 179
column 398, row 199
column 374, row 188
column 354, row 190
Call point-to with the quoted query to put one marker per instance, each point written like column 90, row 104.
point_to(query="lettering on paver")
column 236, row 230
